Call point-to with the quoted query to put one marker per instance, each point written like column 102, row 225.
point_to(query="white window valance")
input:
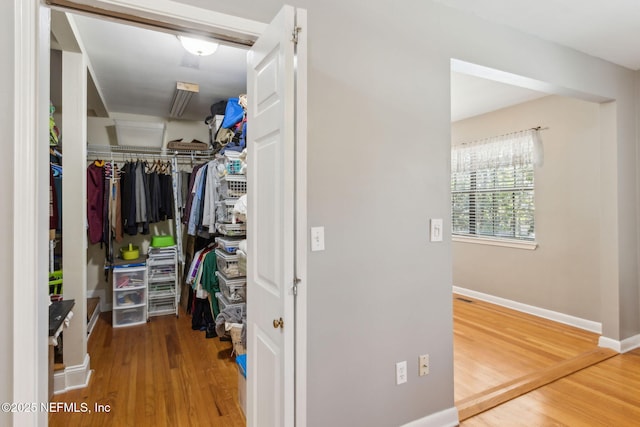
column 517, row 149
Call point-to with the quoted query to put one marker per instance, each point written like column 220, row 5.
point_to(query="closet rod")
column 108, row 150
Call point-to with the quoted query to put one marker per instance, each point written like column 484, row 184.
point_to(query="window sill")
column 531, row 246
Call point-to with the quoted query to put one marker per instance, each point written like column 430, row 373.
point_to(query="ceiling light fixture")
column 181, row 97
column 198, row 47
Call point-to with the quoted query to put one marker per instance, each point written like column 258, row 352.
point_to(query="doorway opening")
column 503, row 287
column 297, row 173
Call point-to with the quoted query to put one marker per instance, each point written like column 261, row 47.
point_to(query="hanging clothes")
column 128, row 206
column 53, row 202
column 142, row 197
column 191, row 193
column 95, row 201
column 196, row 205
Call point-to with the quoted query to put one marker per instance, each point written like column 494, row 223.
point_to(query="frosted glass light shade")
column 197, row 46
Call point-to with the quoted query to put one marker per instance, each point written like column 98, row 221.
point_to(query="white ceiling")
column 136, row 69
column 607, row 29
column 471, row 96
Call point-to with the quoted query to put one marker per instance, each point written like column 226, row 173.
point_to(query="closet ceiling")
column 136, row 69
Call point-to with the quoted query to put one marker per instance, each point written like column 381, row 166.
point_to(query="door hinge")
column 295, row 286
column 294, row 35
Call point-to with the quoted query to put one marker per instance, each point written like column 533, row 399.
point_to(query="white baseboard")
column 446, row 418
column 72, row 377
column 93, row 321
column 100, row 293
column 623, row 346
column 577, row 322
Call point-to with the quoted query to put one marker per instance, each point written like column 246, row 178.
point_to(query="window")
column 492, row 186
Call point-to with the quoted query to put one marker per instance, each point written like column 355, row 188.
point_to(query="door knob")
column 278, row 323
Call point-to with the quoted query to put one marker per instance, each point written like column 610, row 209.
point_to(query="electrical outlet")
column 401, row 372
column 423, row 365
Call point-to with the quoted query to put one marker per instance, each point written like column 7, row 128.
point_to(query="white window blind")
column 492, row 186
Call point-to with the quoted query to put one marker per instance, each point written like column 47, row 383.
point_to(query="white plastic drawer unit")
column 129, row 296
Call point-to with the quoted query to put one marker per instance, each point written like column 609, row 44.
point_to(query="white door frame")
column 32, row 52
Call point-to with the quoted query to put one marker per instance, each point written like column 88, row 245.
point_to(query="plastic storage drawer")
column 232, row 229
column 227, row 264
column 223, row 303
column 129, row 277
column 225, row 213
column 129, row 297
column 129, row 316
column 235, row 290
column 229, row 245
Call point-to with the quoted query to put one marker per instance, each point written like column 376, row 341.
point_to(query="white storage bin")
column 233, row 186
column 232, row 229
column 223, row 302
column 234, row 165
column 225, row 213
column 227, row 264
column 140, row 134
column 235, row 290
column 228, row 244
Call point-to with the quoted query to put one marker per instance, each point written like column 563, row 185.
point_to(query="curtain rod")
column 538, row 128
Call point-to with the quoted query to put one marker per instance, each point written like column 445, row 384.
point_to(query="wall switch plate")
column 436, row 230
column 423, row 365
column 317, row 239
column 401, row 372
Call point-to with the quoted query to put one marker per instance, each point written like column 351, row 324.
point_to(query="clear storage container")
column 235, row 290
column 227, row 264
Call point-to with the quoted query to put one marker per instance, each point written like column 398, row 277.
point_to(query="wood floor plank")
column 497, row 395
column 605, row 394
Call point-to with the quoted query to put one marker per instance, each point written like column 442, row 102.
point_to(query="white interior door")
column 271, row 143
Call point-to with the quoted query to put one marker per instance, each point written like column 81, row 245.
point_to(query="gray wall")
column 563, row 273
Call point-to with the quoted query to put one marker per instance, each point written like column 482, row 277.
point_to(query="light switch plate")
column 317, row 239
column 423, row 365
column 436, row 230
column 401, row 372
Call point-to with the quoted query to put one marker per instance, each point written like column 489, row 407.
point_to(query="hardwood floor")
column 160, row 374
column 494, row 345
column 543, row 373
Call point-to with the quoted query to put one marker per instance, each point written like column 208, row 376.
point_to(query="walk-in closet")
column 164, row 210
